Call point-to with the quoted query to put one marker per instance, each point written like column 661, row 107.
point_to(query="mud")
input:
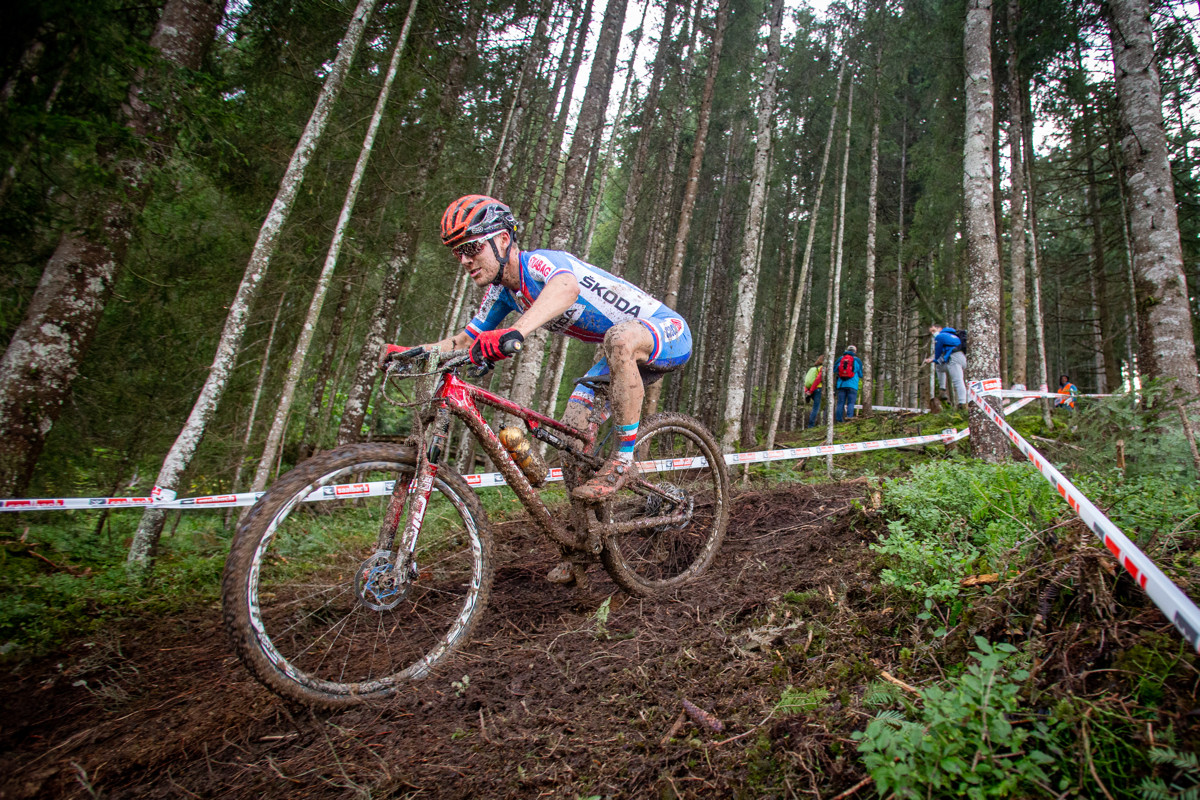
column 551, row 699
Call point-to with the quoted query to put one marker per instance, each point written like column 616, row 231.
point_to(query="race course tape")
column 162, row 498
column 1170, row 599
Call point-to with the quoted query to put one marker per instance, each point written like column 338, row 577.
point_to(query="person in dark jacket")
column 847, row 384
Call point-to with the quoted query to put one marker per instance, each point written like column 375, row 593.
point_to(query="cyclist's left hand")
column 489, row 345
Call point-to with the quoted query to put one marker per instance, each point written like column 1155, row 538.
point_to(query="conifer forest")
column 215, row 214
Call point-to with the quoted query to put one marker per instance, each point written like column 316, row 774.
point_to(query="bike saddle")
column 595, row 382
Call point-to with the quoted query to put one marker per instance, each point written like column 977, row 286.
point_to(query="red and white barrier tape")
column 1170, row 599
column 164, row 498
column 896, row 408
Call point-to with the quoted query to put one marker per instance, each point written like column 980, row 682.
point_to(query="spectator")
column 1069, row 392
column 949, row 358
column 812, row 389
column 849, row 373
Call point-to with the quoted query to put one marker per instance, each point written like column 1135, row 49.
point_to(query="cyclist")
column 555, row 289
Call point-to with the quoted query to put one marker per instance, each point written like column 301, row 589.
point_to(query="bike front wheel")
column 311, row 603
column 693, row 481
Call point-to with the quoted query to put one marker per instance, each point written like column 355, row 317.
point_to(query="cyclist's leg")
column 663, row 344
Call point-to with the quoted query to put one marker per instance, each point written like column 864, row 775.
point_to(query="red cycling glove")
column 487, row 346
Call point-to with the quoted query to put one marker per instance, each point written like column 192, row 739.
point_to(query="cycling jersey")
column 604, row 300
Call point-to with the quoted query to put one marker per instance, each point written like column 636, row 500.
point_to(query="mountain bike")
column 336, row 607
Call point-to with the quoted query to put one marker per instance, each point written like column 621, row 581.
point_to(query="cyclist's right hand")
column 394, row 352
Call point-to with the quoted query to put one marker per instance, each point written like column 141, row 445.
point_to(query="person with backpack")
column 812, row 389
column 950, row 358
column 849, row 374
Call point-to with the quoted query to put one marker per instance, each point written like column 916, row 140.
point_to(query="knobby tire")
column 290, row 601
column 656, row 561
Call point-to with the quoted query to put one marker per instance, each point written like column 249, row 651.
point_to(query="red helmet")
column 475, row 216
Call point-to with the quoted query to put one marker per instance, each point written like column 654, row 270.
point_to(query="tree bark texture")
column 983, row 308
column 868, row 345
column 1016, row 214
column 747, row 291
column 522, row 100
column 1168, row 347
column 834, row 307
column 595, row 98
column 559, row 129
column 637, row 169
column 44, row 354
column 358, row 397
column 300, row 353
column 184, row 448
column 804, row 284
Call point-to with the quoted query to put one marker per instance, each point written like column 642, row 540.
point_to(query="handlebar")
column 401, row 363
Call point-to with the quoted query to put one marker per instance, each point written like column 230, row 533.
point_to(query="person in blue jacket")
column 849, row 372
column 949, row 358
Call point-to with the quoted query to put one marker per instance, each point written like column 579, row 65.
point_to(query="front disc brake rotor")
column 377, row 585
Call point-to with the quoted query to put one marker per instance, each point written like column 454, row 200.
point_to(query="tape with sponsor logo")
column 166, row 499
column 1170, row 599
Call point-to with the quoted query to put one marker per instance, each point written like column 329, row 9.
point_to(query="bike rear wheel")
column 659, row 559
column 302, row 593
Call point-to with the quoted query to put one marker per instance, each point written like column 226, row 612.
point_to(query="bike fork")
column 418, row 488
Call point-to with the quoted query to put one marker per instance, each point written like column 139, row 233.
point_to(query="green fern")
column 1185, row 786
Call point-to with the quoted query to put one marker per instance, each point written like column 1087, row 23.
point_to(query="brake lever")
column 477, row 371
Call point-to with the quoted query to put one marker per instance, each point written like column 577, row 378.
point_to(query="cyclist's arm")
column 459, row 341
column 560, row 293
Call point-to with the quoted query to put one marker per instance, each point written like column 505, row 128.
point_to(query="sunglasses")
column 468, row 249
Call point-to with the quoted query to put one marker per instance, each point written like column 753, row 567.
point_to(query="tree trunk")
column 591, row 113
column 560, row 129
column 983, row 308
column 522, row 99
column 321, row 380
column 1168, row 346
column 45, row 351
column 283, row 408
column 868, row 347
column 902, row 347
column 264, row 368
column 834, row 310
column 637, row 168
column 606, row 160
column 1016, row 237
column 1035, row 270
column 688, row 208
column 405, row 244
column 184, row 448
column 747, row 291
column 805, row 282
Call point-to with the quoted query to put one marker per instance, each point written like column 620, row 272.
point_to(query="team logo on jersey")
column 540, row 266
column 609, row 296
column 672, row 328
column 566, row 319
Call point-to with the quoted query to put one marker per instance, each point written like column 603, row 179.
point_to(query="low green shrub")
column 969, row 739
column 951, row 517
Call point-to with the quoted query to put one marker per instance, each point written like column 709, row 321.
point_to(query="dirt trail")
column 556, row 704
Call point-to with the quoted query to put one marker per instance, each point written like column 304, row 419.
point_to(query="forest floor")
column 554, row 698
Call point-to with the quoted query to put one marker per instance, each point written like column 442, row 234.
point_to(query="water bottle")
column 524, row 454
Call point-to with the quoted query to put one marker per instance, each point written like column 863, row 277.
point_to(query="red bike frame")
column 456, row 396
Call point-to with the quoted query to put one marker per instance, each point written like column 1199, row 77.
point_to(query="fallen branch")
column 1057, row 442
column 852, row 789
column 682, row 718
column 906, row 687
